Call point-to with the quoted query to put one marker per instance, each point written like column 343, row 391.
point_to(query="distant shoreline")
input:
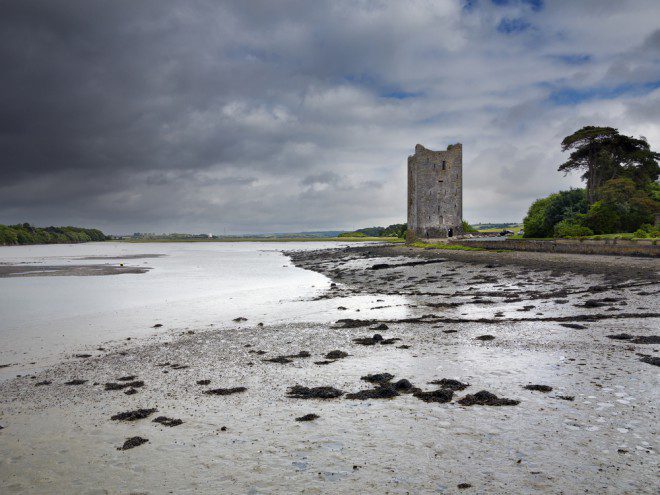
column 269, row 239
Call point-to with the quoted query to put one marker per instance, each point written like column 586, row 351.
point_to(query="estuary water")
column 190, row 285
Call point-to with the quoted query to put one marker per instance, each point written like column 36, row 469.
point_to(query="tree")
column 622, row 207
column 467, row 228
column 601, row 153
column 545, row 213
column 395, row 230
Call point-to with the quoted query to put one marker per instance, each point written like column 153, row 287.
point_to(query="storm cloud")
column 274, row 116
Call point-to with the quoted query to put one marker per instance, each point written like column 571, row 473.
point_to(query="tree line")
column 24, row 233
column 622, row 194
column 394, row 230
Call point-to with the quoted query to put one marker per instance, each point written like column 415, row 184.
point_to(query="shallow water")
column 189, row 285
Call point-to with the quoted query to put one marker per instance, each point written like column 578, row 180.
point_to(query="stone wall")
column 594, row 246
column 435, row 193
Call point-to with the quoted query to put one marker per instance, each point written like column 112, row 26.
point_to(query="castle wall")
column 435, row 192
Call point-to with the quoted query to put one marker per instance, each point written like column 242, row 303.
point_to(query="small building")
column 435, row 193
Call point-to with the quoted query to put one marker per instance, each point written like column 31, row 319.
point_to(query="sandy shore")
column 495, row 322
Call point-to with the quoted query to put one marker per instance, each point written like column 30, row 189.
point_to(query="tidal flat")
column 439, row 372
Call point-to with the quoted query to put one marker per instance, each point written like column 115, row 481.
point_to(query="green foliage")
column 545, row 213
column 395, row 230
column 622, row 207
column 26, row 234
column 647, row 231
column 602, row 154
column 572, row 228
column 468, row 229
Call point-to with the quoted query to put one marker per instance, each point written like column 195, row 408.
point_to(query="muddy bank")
column 26, row 270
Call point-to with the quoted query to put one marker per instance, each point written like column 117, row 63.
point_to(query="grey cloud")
column 259, row 116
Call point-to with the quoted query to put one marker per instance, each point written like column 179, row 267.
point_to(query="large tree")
column 601, row 153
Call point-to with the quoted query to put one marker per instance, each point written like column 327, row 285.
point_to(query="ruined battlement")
column 435, row 192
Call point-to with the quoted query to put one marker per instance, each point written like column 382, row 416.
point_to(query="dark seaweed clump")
column 485, row 398
column 485, row 337
column 373, row 340
column 120, row 386
column 225, row 391
column 279, row 360
column 377, row 378
column 639, row 339
column 288, row 358
column 403, row 385
column 382, row 392
column 620, row 336
column 308, row 417
column 336, row 354
column 203, row 382
column 300, row 392
column 450, row 384
column 165, row 421
column 132, row 443
column 75, row 382
column 655, row 361
column 442, row 395
column 133, row 415
column 539, row 388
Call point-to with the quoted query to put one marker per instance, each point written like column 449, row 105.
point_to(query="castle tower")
column 435, row 193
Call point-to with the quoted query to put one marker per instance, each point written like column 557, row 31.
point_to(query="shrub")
column 545, row 213
column 568, row 228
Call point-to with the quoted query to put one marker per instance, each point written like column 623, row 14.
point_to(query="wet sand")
column 577, row 408
column 29, row 270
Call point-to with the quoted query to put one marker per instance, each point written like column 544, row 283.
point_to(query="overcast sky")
column 274, row 116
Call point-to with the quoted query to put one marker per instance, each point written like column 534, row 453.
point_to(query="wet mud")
column 584, row 325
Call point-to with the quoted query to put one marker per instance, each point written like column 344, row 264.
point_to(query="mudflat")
column 511, row 373
column 29, row 270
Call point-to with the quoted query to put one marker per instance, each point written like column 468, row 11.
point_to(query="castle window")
column 444, row 165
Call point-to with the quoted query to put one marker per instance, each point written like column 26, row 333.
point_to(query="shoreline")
column 602, row 439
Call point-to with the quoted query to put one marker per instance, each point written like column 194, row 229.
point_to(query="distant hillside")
column 24, row 233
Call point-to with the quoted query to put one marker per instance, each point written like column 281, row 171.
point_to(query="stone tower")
column 435, row 193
